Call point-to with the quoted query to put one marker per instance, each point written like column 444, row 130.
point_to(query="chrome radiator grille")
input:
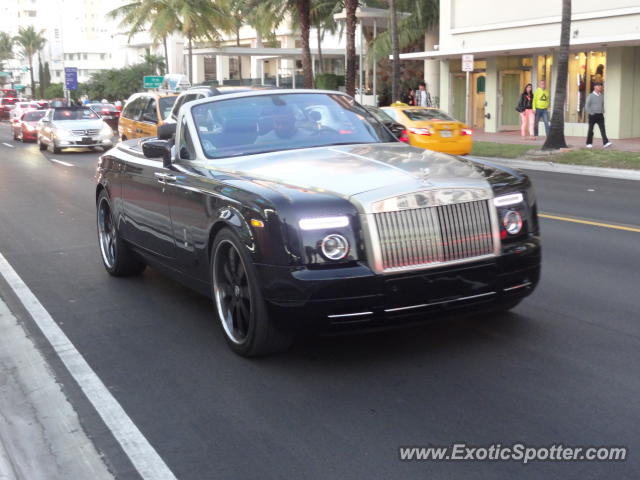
column 434, row 235
column 87, row 133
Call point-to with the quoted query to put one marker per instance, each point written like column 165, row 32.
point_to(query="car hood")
column 79, row 124
column 387, row 169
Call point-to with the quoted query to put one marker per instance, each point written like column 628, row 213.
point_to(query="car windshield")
column 427, row 114
column 267, row 123
column 166, row 104
column 33, row 116
column 74, row 114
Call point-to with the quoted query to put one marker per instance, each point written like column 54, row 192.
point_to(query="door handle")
column 165, row 177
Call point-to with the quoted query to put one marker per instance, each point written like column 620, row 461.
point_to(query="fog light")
column 334, row 247
column 512, row 222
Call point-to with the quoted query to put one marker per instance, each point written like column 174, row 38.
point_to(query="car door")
column 129, row 118
column 148, row 125
column 190, row 206
column 146, row 205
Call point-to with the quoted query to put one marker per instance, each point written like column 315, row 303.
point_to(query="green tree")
column 555, row 137
column 322, row 20
column 156, row 62
column 117, row 83
column 30, row 42
column 40, row 75
column 55, row 90
column 6, row 48
column 46, row 76
column 159, row 17
column 201, row 19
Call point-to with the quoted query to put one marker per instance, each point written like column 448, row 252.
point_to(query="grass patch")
column 599, row 158
column 500, row 150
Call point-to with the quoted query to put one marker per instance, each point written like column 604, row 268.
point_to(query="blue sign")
column 71, row 78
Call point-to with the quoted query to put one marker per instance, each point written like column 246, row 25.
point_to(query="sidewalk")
column 513, row 136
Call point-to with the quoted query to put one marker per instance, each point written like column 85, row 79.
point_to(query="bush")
column 54, row 90
column 329, row 81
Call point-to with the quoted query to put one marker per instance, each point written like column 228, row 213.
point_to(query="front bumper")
column 70, row 142
column 356, row 298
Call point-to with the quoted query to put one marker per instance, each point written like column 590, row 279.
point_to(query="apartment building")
column 515, row 42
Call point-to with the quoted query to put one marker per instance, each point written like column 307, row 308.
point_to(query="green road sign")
column 152, row 81
column 18, row 87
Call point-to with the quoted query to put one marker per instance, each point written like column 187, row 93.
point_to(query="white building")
column 515, row 42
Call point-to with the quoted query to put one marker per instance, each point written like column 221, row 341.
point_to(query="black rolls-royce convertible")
column 297, row 210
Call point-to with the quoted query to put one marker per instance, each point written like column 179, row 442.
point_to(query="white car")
column 20, row 108
column 67, row 127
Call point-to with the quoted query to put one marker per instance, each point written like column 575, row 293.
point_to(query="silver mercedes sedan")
column 67, row 127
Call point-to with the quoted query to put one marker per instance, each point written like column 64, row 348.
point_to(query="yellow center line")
column 590, row 222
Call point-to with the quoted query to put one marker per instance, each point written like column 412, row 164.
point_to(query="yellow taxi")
column 143, row 113
column 433, row 129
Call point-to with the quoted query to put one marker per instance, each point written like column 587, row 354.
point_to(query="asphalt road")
column 561, row 368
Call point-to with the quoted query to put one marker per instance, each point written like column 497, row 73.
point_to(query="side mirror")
column 166, row 131
column 156, row 149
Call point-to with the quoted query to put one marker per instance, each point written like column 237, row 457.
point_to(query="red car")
column 25, row 127
column 6, row 105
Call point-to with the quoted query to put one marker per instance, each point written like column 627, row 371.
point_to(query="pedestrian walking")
column 423, row 98
column 541, row 101
column 410, row 97
column 525, row 107
column 595, row 110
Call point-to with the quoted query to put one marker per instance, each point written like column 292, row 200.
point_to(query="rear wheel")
column 117, row 257
column 238, row 300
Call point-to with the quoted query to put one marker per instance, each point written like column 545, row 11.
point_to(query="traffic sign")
column 18, row 87
column 467, row 63
column 71, row 78
column 152, row 81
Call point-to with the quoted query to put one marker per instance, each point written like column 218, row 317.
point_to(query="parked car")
column 433, row 129
column 396, row 128
column 143, row 113
column 108, row 112
column 66, row 127
column 6, row 105
column 296, row 209
column 25, row 128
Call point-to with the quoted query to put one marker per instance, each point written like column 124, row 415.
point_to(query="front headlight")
column 506, row 200
column 512, row 222
column 334, row 247
column 106, row 130
column 62, row 133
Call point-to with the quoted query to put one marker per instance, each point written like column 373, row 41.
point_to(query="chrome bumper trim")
column 516, row 287
column 399, row 309
column 345, row 315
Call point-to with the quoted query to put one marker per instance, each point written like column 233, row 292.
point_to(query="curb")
column 545, row 166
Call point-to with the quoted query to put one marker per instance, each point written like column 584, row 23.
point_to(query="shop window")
column 585, row 69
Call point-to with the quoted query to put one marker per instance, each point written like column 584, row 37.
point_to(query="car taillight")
column 421, row 131
column 404, row 137
column 466, row 131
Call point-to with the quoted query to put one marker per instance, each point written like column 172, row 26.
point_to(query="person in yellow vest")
column 541, row 101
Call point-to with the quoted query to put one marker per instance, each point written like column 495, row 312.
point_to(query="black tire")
column 238, row 302
column 15, row 137
column 117, row 257
column 53, row 148
column 41, row 145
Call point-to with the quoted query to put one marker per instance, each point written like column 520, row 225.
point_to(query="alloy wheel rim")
column 231, row 291
column 107, row 233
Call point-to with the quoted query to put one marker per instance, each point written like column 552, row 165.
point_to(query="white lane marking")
column 66, row 164
column 7, row 145
column 143, row 456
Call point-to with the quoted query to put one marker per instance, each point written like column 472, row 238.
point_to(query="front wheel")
column 238, row 300
column 41, row 145
column 117, row 257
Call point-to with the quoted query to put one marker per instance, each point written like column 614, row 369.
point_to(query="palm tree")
column 156, row 62
column 322, row 20
column 555, row 138
column 201, row 19
column 6, row 47
column 158, row 16
column 351, row 21
column 395, row 48
column 30, row 42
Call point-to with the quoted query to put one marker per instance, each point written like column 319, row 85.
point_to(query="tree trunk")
column 555, row 138
column 239, row 57
column 190, row 40
column 350, row 77
column 303, row 7
column 33, row 82
column 320, row 59
column 166, row 53
column 395, row 49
